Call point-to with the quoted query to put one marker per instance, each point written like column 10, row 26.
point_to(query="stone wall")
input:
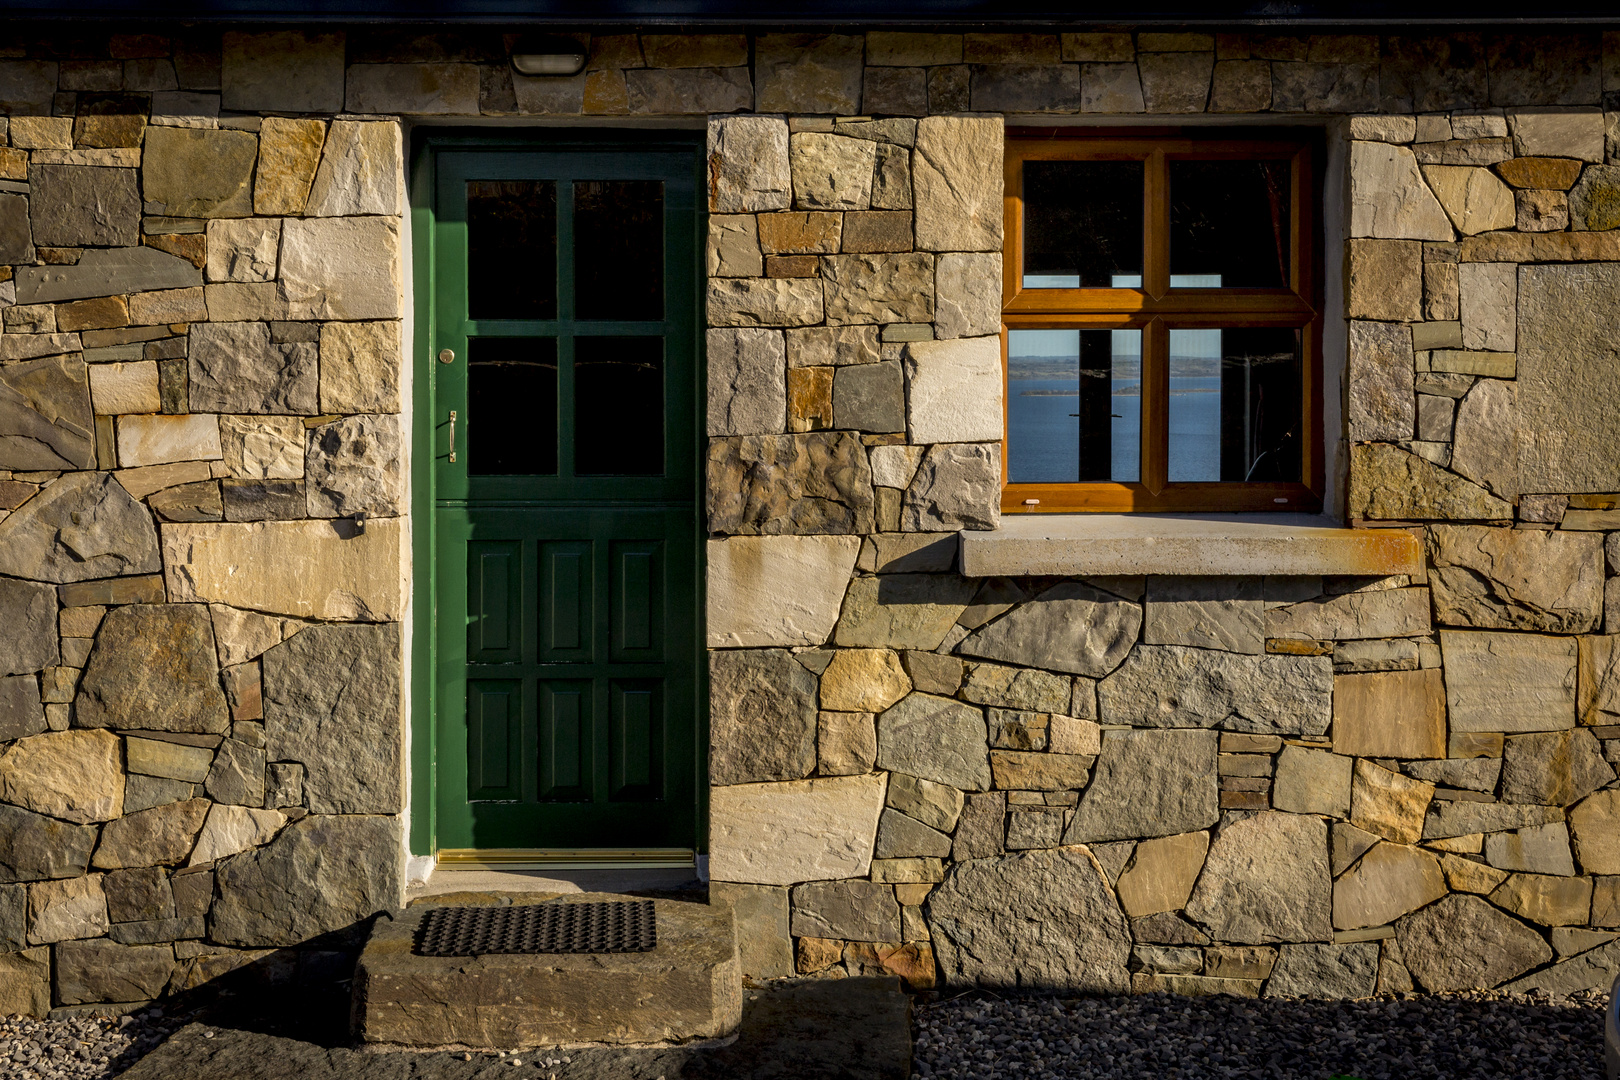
column 1254, row 785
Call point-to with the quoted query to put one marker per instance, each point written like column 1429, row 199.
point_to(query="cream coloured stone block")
column 341, row 268
column 1509, row 682
column 262, row 447
column 243, row 249
column 1388, row 197
column 360, row 367
column 1473, row 198
column 957, row 173
column 1489, row 294
column 748, row 158
column 116, row 389
column 954, row 390
column 777, row 590
column 1554, row 132
column 66, row 910
column 310, row 569
column 155, row 440
column 233, row 829
column 800, row 830
column 361, row 171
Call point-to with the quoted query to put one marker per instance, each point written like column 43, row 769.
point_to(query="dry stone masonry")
column 1258, row 786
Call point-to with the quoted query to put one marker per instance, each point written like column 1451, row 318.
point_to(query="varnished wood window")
column 1163, row 328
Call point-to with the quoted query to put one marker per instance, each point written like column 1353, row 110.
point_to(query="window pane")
column 1235, row 410
column 1229, row 223
column 619, row 249
column 512, row 249
column 619, row 406
column 1074, row 406
column 1082, row 223
column 512, row 406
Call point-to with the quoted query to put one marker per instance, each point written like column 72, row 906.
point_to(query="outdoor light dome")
column 548, row 56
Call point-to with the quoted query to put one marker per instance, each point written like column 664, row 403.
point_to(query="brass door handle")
column 452, row 435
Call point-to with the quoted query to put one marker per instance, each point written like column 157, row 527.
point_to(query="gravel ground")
column 82, row 1048
column 1473, row 1036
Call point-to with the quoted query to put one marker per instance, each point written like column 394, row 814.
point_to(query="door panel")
column 565, row 525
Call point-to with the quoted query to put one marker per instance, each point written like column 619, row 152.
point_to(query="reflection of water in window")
column 1074, row 410
column 1234, row 405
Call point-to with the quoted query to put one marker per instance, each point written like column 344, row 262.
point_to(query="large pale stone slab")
column 765, row 302
column 1175, row 686
column 804, row 830
column 776, row 590
column 360, row 367
column 763, row 726
column 1312, row 782
column 1381, row 401
column 242, row 249
column 902, row 611
column 1161, row 874
column 1595, row 825
column 155, row 439
column 1266, row 880
column 831, row 172
column 198, row 172
column 1540, row 849
column 1509, row 682
column 748, row 165
column 954, row 390
column 1450, row 819
column 967, row 295
column 1387, row 613
column 45, row 415
column 283, row 71
column 154, row 667
column 1563, row 133
column 311, row 569
column 236, row 367
column 957, row 486
column 332, row 701
column 1390, row 714
column 1487, row 293
column 106, row 272
column 1473, row 198
column 73, row 775
column 1388, row 197
column 937, row 739
column 957, row 173
column 747, row 382
column 1035, row 919
column 66, row 910
column 360, row 170
column 80, row 527
column 342, row 268
column 1149, row 783
column 1070, row 627
column 1517, row 579
column 1389, row 881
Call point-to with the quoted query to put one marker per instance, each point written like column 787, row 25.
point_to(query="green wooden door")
column 563, row 353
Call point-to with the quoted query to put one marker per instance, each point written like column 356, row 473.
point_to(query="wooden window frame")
column 1156, row 309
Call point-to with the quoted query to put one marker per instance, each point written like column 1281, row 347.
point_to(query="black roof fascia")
column 825, row 14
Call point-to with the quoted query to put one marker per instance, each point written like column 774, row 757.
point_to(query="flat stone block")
column 688, row 987
column 1390, row 714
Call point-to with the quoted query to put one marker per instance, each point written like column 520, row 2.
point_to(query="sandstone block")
column 846, row 743
column 153, row 439
column 1388, row 804
column 1025, row 771
column 831, row 172
column 342, row 268
column 230, row 830
column 1148, row 783
column 936, row 739
column 1381, row 403
column 763, row 705
column 28, row 639
column 20, row 711
column 900, row 837
column 1389, row 881
column 1555, row 132
column 105, row 272
column 154, row 667
column 1353, row 616
column 1176, row 686
column 805, row 575
column 282, row 71
column 955, row 390
column 863, row 680
column 262, row 447
column 309, row 569
column 243, row 249
column 1388, row 197
column 1543, row 849
column 1473, row 199
column 957, row 486
column 25, row 982
column 902, row 611
column 1597, row 839
column 45, row 415
column 66, row 910
column 764, row 302
column 1550, row 901
column 938, row 806
column 1388, row 483
column 289, row 152
column 161, row 758
column 1509, row 682
column 1266, row 880
column 1390, row 714
column 748, row 164
column 958, row 179
column 1207, row 613
column 760, row 914
column 1324, row 971
column 1465, row 875
column 77, row 205
column 237, row 368
column 360, row 171
column 1312, row 782
column 783, row 833
column 125, row 388
column 34, row 847
column 1161, row 874
column 802, row 484
column 1553, row 768
column 198, row 172
column 879, row 288
column 160, row 836
column 1042, row 918
column 351, row 466
column 1450, row 819
column 1516, row 579
column 733, row 247
column 72, row 775
column 1384, row 280
column 1016, row 688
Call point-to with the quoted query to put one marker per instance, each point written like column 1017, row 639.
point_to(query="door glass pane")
column 1074, row 406
column 1235, row 408
column 512, row 249
column 1229, row 223
column 619, row 249
column 511, row 424
column 1082, row 223
column 619, row 406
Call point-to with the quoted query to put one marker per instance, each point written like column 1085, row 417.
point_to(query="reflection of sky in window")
column 1121, row 281
column 1043, row 417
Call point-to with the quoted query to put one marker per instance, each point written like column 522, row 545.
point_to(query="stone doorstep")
column 688, row 988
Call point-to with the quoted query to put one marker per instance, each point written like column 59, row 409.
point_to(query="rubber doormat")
column 614, row 926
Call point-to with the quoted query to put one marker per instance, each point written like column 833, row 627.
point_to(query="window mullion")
column 1156, row 227
column 1155, row 406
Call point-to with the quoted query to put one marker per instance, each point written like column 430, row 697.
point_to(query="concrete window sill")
column 1236, row 544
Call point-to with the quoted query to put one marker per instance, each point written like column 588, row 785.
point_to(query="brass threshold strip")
column 566, row 859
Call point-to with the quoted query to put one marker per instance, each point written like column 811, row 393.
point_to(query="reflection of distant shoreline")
column 1055, row 367
column 1124, row 391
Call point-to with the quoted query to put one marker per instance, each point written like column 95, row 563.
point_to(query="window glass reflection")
column 1082, row 223
column 1235, row 407
column 1074, row 406
column 1230, row 222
